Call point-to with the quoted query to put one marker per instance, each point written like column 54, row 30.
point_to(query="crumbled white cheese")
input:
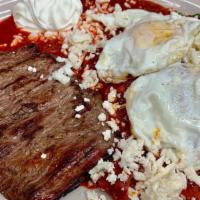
column 60, row 59
column 123, row 134
column 131, row 154
column 80, row 41
column 86, row 100
column 51, row 34
column 91, row 56
column 117, row 155
column 101, row 169
column 75, row 60
column 65, row 46
column 90, row 79
column 92, row 195
column 112, row 95
column 119, row 95
column 107, row 135
column 110, row 151
column 32, row 69
column 79, row 108
column 44, row 156
column 41, row 76
column 102, row 117
column 192, row 175
column 17, row 39
column 119, row 18
column 116, row 140
column 102, row 197
column 77, row 116
column 113, row 125
column 64, row 79
column 123, row 177
column 67, row 69
column 112, row 178
column 165, row 188
column 77, row 43
column 156, row 174
column 127, row 5
column 64, row 73
column 109, row 107
column 80, row 37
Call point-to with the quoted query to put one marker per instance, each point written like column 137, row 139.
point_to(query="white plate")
column 187, row 7
column 184, row 6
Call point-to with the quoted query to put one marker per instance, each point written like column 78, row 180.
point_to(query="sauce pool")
column 9, row 31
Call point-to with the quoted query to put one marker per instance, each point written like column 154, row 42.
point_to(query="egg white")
column 164, row 110
column 149, row 44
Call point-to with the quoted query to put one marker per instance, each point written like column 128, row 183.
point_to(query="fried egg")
column 164, row 110
column 151, row 43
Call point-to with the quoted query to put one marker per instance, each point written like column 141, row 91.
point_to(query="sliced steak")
column 44, row 149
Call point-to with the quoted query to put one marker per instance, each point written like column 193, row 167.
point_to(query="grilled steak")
column 44, row 150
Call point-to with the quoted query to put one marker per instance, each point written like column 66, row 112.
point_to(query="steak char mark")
column 44, row 149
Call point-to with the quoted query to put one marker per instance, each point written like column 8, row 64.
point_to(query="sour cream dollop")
column 47, row 15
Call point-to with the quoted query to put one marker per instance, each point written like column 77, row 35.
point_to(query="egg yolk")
column 150, row 34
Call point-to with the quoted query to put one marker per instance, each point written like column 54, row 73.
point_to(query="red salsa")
column 9, row 31
column 118, row 191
